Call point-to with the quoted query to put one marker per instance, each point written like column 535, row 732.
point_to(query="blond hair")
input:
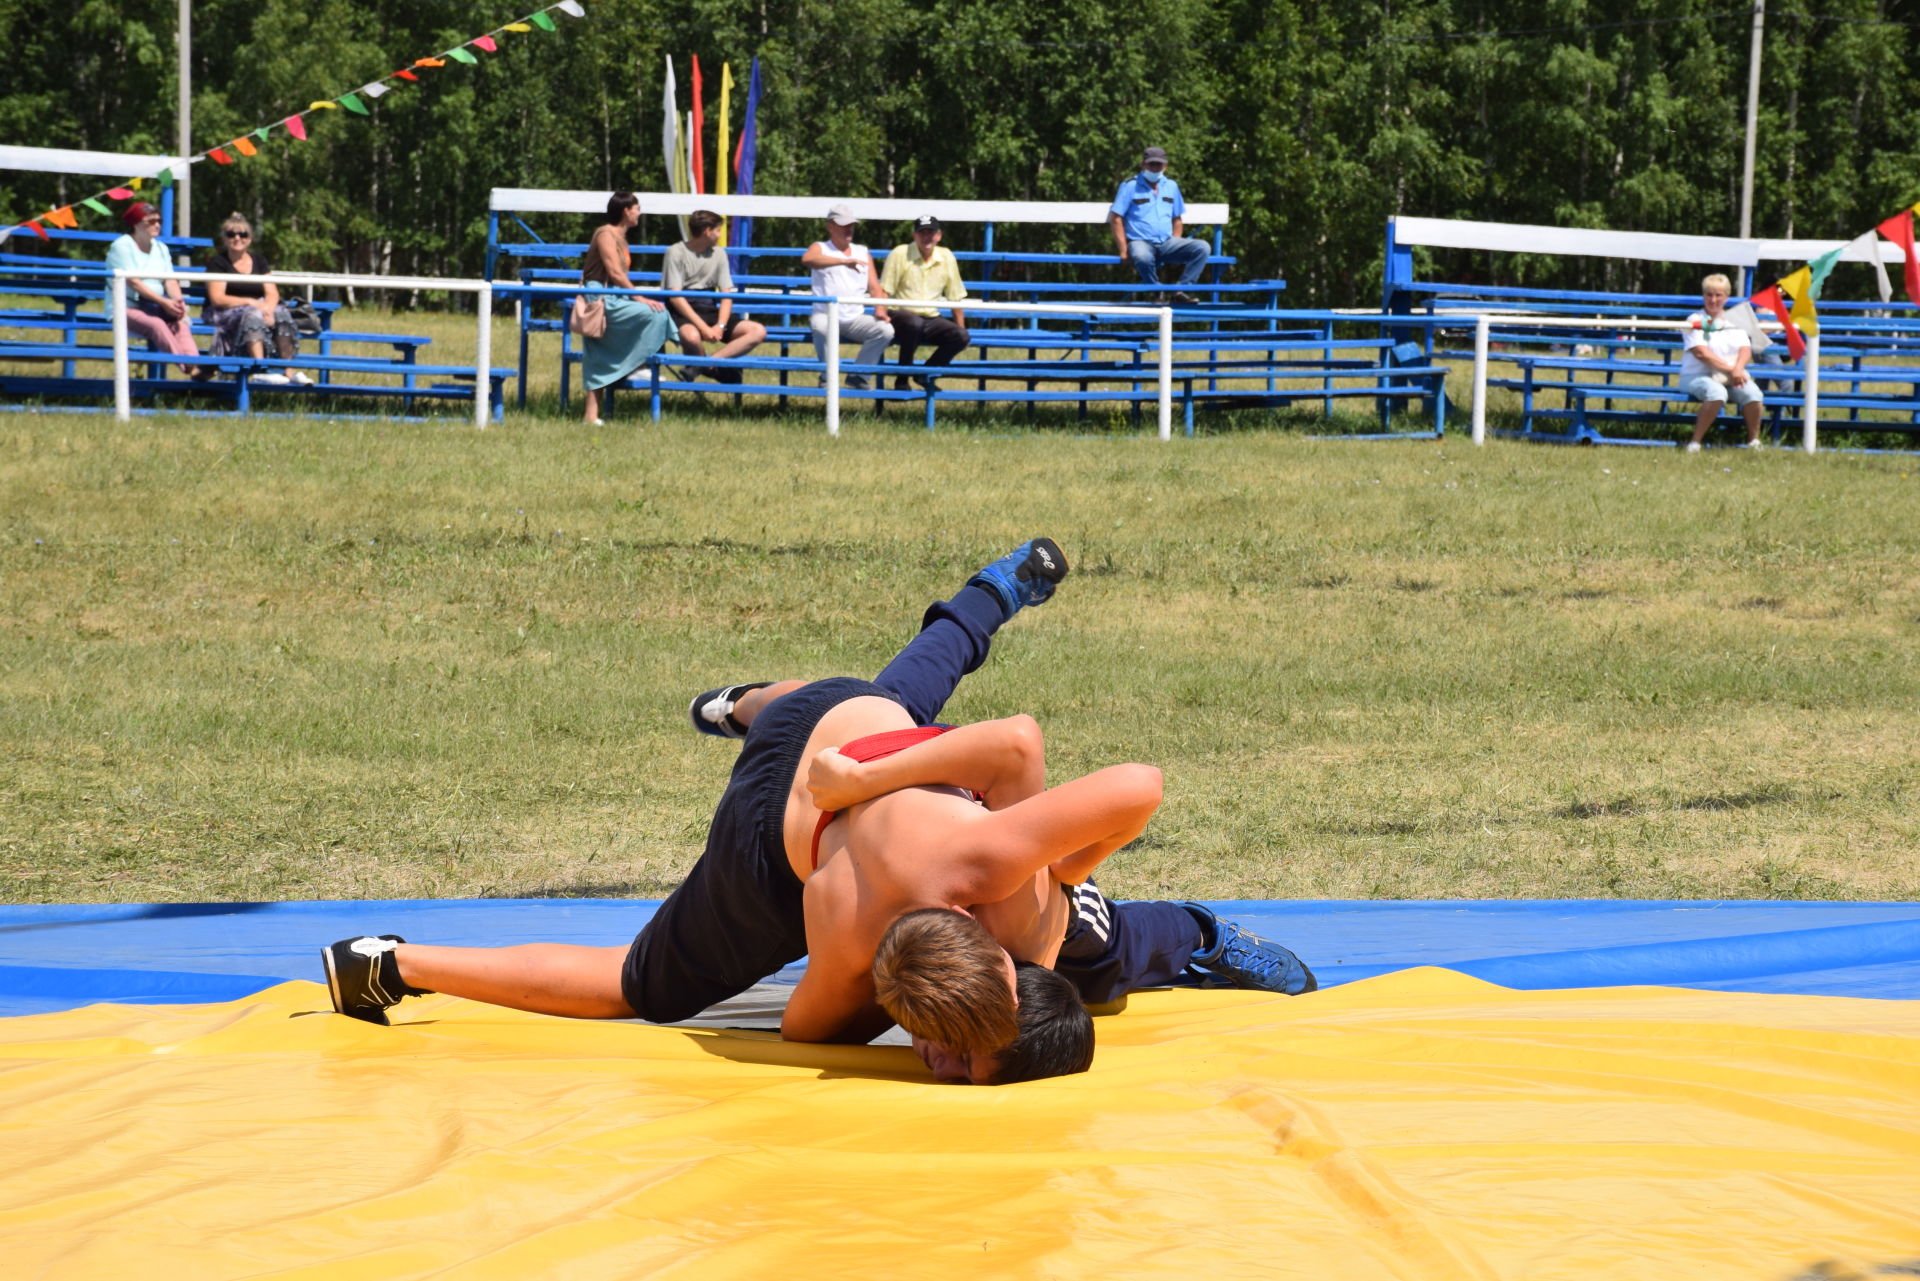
column 1726, row 286
column 940, row 975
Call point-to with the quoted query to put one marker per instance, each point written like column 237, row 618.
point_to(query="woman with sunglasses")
column 155, row 309
column 244, row 314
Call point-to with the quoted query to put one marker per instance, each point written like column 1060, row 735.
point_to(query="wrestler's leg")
column 546, row 978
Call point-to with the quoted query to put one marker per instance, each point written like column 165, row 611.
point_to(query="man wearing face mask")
column 1147, row 219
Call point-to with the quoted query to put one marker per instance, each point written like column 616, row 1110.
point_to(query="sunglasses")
column 237, row 235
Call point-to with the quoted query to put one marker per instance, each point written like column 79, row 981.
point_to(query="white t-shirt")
column 1726, row 342
column 841, row 282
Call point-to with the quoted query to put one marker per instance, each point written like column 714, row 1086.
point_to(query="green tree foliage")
column 1315, row 121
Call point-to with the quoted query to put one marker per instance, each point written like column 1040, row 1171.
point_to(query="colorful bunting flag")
column 1799, row 286
column 244, row 146
column 262, row 132
column 165, row 179
column 429, row 62
column 97, row 207
column 461, row 55
column 62, row 217
column 404, row 74
column 352, row 103
column 296, row 126
column 516, row 26
column 38, row 230
column 135, row 184
column 1899, row 229
column 1771, row 300
column 1867, row 245
column 219, row 156
column 487, row 43
column 121, row 193
column 542, row 21
column 323, row 106
column 571, row 8
column 375, row 90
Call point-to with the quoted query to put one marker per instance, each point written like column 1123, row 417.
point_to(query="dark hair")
column 618, row 204
column 701, row 221
column 940, row 975
column 1056, row 1032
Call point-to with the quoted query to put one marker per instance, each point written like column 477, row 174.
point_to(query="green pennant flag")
column 461, row 55
column 165, row 179
column 542, row 21
column 1822, row 266
column 352, row 103
column 262, row 132
column 97, row 207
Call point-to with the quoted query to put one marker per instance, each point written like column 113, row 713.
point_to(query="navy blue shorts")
column 737, row 918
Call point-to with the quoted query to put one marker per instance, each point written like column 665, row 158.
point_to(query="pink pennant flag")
column 296, row 126
column 487, row 43
column 119, row 193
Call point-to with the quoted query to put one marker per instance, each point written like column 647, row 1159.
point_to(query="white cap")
column 841, row 215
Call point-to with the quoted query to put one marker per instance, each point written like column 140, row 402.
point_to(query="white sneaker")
column 299, row 378
column 270, row 380
column 1693, row 447
column 1756, row 444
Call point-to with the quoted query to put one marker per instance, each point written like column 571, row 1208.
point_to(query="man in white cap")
column 842, row 269
column 1147, row 217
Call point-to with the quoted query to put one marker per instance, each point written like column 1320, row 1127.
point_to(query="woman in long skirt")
column 636, row 327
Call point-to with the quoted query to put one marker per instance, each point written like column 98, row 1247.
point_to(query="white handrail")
column 483, row 336
column 1810, row 363
column 866, row 302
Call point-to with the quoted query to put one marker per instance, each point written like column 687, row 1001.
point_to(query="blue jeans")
column 1188, row 255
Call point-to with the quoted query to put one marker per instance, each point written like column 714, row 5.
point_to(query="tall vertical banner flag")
column 1899, row 229
column 720, row 165
column 743, row 161
column 696, row 148
column 670, row 141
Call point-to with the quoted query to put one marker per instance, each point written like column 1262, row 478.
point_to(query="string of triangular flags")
column 1801, row 289
column 354, row 101
column 685, row 149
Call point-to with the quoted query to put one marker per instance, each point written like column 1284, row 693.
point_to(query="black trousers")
column 910, row 331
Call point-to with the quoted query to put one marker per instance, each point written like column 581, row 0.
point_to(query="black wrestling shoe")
column 712, row 712
column 364, row 979
column 1239, row 956
column 1025, row 576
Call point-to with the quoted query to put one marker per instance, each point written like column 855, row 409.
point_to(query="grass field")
column 298, row 658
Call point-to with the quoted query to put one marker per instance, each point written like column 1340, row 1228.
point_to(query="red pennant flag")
column 220, row 157
column 698, row 162
column 404, row 74
column 1899, row 229
column 119, row 193
column 244, row 146
column 296, row 126
column 487, row 43
column 1770, row 299
column 38, row 230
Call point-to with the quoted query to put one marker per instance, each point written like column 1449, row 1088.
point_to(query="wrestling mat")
column 1404, row 1123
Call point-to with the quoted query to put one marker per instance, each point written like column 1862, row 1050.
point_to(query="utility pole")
column 182, row 213
column 1753, row 112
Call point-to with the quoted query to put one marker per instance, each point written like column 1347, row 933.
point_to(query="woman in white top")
column 1714, row 366
column 157, row 312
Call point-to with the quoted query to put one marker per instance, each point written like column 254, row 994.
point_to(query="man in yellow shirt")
column 924, row 272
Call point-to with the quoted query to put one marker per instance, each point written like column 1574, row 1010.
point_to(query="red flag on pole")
column 1770, row 299
column 698, row 152
column 1899, row 229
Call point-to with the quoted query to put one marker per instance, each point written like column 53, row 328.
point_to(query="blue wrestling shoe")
column 364, row 978
column 1235, row 955
column 1025, row 576
column 712, row 712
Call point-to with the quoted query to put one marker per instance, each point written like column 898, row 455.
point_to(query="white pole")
column 1482, row 329
column 1753, row 113
column 833, row 368
column 1166, row 373
column 122, row 366
column 182, row 180
column 1810, row 419
column 483, row 360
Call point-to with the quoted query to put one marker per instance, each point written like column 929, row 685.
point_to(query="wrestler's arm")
column 833, row 1002
column 1067, row 829
column 1004, row 761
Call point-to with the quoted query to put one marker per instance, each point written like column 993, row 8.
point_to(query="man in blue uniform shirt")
column 1147, row 218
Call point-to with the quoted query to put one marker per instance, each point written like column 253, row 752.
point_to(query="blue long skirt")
column 635, row 331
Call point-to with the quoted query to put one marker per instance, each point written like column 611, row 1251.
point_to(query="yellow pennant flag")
column 1800, row 286
column 723, row 158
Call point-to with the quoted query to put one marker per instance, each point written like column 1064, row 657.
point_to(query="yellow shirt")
column 907, row 275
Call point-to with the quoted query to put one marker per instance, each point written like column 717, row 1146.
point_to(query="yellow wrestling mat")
column 1420, row 1125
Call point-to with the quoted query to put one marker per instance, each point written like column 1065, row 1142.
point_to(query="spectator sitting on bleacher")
column 924, row 272
column 842, row 269
column 1714, row 365
column 158, row 312
column 1147, row 217
column 694, row 264
column 244, row 316
column 637, row 328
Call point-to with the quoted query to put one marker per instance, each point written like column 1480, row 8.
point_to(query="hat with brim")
column 137, row 213
column 841, row 216
column 926, row 222
column 1152, row 154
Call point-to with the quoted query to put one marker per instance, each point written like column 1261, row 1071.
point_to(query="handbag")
column 305, row 316
column 588, row 317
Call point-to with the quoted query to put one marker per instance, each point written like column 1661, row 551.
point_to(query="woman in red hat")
column 157, row 312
